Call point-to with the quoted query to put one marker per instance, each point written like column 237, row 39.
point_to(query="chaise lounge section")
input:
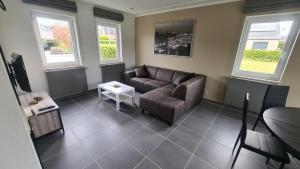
column 168, row 94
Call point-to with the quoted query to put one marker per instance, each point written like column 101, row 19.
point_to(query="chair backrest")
column 245, row 112
column 275, row 97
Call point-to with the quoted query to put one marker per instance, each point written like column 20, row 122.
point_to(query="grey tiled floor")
column 99, row 137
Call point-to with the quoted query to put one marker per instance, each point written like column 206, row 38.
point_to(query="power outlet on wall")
column 206, row 93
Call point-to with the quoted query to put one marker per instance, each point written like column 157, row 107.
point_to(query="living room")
column 149, row 84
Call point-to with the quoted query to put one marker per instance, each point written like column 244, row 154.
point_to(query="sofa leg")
column 170, row 124
column 143, row 111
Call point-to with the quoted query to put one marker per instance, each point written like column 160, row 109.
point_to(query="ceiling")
column 146, row 7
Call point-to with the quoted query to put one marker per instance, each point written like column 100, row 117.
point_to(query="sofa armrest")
column 128, row 75
column 194, row 90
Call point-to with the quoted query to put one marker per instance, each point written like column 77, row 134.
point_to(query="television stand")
column 44, row 116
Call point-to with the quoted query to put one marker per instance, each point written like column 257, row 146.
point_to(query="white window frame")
column 276, row 77
column 117, row 26
column 74, row 36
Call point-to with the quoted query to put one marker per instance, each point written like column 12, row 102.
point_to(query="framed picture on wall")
column 174, row 37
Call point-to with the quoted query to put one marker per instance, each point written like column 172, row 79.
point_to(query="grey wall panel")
column 66, row 82
column 111, row 72
column 237, row 88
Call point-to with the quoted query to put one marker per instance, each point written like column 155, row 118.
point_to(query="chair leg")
column 268, row 160
column 236, row 142
column 255, row 124
column 282, row 165
column 236, row 156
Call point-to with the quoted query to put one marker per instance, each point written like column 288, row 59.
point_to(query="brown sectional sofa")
column 162, row 97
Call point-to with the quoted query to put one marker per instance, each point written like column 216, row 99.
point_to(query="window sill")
column 111, row 63
column 252, row 79
column 64, row 68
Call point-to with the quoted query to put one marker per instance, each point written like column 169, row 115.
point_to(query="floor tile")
column 75, row 158
column 244, row 162
column 93, row 165
column 142, row 118
column 102, row 128
column 99, row 109
column 145, row 140
column 70, row 109
column 206, row 111
column 87, row 128
column 111, row 118
column 101, row 142
column 55, row 143
column 209, row 106
column 198, row 163
column 87, row 101
column 170, row 156
column 222, row 134
column 160, row 127
column 127, row 108
column 64, row 102
column 186, row 138
column 196, row 124
column 126, row 128
column 147, row 164
column 121, row 157
column 79, row 115
column 214, row 152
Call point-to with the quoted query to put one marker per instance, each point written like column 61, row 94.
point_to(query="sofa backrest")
column 152, row 71
column 164, row 75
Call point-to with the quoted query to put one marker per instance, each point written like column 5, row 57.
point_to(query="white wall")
column 16, row 148
column 17, row 35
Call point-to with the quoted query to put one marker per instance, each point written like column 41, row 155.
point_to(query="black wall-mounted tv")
column 18, row 73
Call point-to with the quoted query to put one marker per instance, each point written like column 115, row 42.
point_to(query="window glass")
column 57, row 40
column 267, row 41
column 265, row 47
column 109, row 42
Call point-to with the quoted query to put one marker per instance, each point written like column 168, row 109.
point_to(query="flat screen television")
column 18, row 73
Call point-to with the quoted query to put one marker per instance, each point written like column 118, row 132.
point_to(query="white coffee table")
column 117, row 91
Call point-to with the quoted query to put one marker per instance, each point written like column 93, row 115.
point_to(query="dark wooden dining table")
column 284, row 122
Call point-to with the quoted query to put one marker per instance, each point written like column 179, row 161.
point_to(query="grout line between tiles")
column 203, row 139
column 144, row 126
column 164, row 137
column 142, row 155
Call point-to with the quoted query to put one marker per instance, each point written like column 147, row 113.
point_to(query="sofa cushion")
column 179, row 92
column 150, row 101
column 138, row 83
column 162, row 105
column 164, row 75
column 151, row 71
column 153, row 84
column 141, row 72
column 168, row 89
column 180, row 77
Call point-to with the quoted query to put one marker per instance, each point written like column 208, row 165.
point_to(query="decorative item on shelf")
column 174, row 37
column 116, row 86
column 2, row 6
column 35, row 100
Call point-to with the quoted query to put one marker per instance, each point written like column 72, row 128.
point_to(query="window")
column 265, row 46
column 57, row 39
column 109, row 42
column 260, row 45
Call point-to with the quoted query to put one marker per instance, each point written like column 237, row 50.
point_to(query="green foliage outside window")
column 263, row 55
column 108, row 51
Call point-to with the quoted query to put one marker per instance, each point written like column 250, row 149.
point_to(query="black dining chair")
column 275, row 97
column 259, row 143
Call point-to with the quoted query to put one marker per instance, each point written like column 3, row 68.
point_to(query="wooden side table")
column 41, row 122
